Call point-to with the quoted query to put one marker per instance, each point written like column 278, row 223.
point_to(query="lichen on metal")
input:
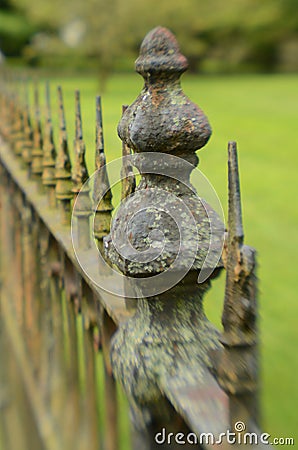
column 102, row 194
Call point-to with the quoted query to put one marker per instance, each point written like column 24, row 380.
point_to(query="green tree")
column 239, row 34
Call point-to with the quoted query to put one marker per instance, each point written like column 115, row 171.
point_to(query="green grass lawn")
column 260, row 113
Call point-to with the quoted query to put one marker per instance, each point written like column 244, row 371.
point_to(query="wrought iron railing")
column 73, row 320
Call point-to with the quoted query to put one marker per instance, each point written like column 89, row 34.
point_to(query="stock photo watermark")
column 238, row 437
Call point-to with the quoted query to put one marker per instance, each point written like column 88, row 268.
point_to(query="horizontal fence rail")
column 81, row 314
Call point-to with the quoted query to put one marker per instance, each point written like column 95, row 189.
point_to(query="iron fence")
column 65, row 339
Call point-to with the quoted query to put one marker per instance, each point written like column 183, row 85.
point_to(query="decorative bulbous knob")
column 163, row 118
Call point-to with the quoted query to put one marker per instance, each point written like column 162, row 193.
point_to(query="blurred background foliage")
column 243, row 36
column 260, row 112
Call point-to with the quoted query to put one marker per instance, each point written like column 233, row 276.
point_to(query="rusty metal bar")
column 72, row 284
column 108, row 328
column 90, row 400
column 58, row 390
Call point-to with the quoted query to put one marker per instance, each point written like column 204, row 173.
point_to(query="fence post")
column 169, row 334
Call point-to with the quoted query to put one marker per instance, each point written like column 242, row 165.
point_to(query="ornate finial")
column 37, row 152
column 63, row 166
column 163, row 119
column 102, row 195
column 80, row 171
column 128, row 180
column 83, row 206
column 28, row 133
column 49, row 154
column 166, row 123
column 161, row 237
column 238, row 367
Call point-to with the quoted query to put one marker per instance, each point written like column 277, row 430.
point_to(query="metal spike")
column 78, row 124
column 99, row 133
column 83, row 205
column 28, row 132
column 37, row 151
column 240, row 336
column 102, row 194
column 80, row 172
column 235, row 213
column 63, row 166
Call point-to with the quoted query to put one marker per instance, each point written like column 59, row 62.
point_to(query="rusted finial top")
column 160, row 53
column 165, row 128
column 162, row 118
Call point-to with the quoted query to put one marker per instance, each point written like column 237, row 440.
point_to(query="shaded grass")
column 260, row 113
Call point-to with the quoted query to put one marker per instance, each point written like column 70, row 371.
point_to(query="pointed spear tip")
column 99, row 130
column 61, row 108
column 235, row 210
column 78, row 121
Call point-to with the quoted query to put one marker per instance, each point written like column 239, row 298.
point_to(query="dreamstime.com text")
column 239, row 436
